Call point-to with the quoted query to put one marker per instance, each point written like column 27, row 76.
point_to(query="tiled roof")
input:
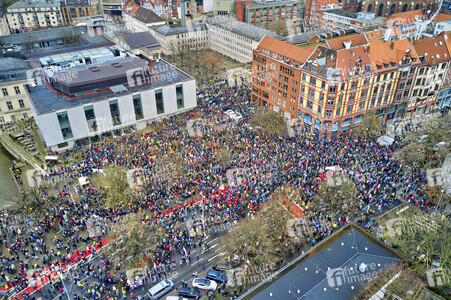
column 283, row 48
column 326, row 2
column 349, row 60
column 304, row 37
column 387, row 55
column 338, row 43
column 374, row 35
column 404, row 18
column 431, row 50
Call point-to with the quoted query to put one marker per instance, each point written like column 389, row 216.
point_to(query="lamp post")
column 439, row 201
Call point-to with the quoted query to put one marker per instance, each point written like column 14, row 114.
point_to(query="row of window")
column 6, row 93
column 115, row 113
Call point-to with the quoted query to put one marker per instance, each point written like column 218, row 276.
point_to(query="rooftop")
column 299, row 54
column 147, row 16
column 404, row 18
column 333, row 269
column 12, row 69
column 243, row 29
column 140, row 40
column 46, row 100
column 32, row 3
column 387, row 55
column 339, row 42
column 304, row 37
column 86, row 38
column 431, row 50
column 168, row 30
column 273, row 2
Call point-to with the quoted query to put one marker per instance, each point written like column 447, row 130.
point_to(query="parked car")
column 176, row 298
column 229, row 112
column 204, row 284
column 236, row 117
column 216, row 276
column 422, row 138
column 189, row 292
column 221, row 266
column 161, row 288
column 440, row 144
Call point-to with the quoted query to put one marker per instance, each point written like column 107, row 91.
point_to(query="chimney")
column 347, row 44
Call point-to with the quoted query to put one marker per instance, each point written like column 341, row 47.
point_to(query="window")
column 330, row 101
column 303, row 77
column 312, row 80
column 159, row 101
column 138, row 107
column 354, row 85
column 10, row 105
column 333, row 89
column 323, row 84
column 115, row 114
column 319, row 109
column 63, row 120
column 21, row 103
column 90, row 118
column 349, row 109
column 309, row 104
column 321, row 97
column 5, row 92
column 338, row 112
column 301, row 100
column 17, row 90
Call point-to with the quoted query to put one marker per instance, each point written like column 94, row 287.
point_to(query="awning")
column 118, row 88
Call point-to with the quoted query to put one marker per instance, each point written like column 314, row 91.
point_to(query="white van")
column 161, row 288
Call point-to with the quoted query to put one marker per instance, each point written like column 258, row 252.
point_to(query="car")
column 204, row 284
column 212, row 101
column 221, row 266
column 236, row 117
column 176, row 298
column 229, row 112
column 161, row 288
column 440, row 144
column 216, row 276
column 422, row 138
column 189, row 292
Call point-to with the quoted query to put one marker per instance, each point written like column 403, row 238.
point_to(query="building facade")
column 430, row 76
column 385, row 8
column 4, row 28
column 173, row 39
column 268, row 14
column 27, row 15
column 14, row 104
column 104, row 96
column 140, row 19
column 342, row 20
column 71, row 9
column 328, row 91
column 235, row 39
column 314, row 10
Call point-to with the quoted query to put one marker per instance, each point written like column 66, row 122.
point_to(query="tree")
column 213, row 59
column 280, row 27
column 270, row 122
column 370, row 126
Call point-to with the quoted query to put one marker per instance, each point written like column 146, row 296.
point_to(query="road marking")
column 175, row 274
column 213, row 240
column 197, row 261
column 220, row 254
column 220, row 247
column 213, row 246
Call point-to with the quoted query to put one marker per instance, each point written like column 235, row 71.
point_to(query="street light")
column 439, row 201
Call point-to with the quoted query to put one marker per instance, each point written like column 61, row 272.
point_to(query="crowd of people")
column 181, row 177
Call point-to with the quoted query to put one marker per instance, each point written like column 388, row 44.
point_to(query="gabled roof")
column 241, row 28
column 374, row 35
column 338, row 43
column 283, row 48
column 442, row 17
column 386, row 55
column 147, row 16
column 130, row 8
column 431, row 50
column 352, row 60
column 140, row 40
column 326, row 2
column 404, row 18
column 168, row 30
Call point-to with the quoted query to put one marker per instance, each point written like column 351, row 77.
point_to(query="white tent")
column 385, row 140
